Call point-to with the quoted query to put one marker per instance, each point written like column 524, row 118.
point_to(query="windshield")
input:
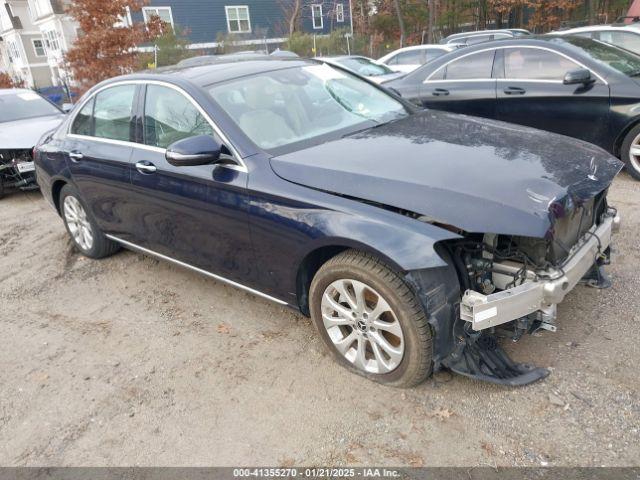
column 613, row 57
column 364, row 66
column 21, row 105
column 282, row 107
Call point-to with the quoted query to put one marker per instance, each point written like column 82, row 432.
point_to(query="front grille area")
column 19, row 155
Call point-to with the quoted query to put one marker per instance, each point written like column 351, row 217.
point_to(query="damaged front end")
column 17, row 170
column 512, row 284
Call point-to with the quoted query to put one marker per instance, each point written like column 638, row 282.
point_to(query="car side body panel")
column 288, row 222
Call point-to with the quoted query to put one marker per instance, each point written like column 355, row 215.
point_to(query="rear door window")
column 412, row 57
column 112, row 112
column 475, row 66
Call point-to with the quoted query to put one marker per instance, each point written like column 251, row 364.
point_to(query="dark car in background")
column 570, row 85
column 406, row 235
column 24, row 117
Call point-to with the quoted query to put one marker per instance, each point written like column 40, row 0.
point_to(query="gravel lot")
column 131, row 361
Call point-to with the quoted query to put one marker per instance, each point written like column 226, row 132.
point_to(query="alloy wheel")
column 79, row 226
column 362, row 326
column 634, row 153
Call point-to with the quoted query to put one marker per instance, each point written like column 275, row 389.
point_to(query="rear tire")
column 371, row 320
column 630, row 152
column 82, row 227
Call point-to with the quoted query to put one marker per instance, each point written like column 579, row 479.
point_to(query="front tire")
column 630, row 152
column 82, row 227
column 371, row 320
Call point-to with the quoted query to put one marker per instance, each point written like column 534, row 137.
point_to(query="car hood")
column 476, row 174
column 26, row 133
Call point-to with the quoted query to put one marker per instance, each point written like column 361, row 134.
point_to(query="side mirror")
column 67, row 107
column 579, row 76
column 199, row 150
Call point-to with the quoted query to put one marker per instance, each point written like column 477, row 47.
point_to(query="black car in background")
column 575, row 86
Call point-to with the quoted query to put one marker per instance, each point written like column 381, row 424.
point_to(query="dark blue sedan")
column 407, row 236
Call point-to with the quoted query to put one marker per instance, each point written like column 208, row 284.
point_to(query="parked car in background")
column 406, row 235
column 471, row 38
column 366, row 67
column 408, row 59
column 620, row 35
column 570, row 85
column 24, row 117
column 235, row 57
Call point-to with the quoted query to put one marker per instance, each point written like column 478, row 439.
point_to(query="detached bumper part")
column 481, row 358
column 486, row 311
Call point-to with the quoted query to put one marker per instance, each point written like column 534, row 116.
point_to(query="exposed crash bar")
column 485, row 311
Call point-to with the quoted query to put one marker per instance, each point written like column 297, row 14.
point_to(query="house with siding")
column 257, row 22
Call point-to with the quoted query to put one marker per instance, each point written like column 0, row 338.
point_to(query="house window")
column 42, row 8
column 339, row 12
column 238, row 19
column 316, row 15
column 13, row 50
column 38, row 46
column 163, row 13
column 51, row 40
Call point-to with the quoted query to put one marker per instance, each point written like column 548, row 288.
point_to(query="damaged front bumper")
column 543, row 289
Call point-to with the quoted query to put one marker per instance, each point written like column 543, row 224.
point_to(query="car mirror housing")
column 578, row 76
column 198, row 150
column 67, row 107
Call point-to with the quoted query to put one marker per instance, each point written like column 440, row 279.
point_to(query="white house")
column 22, row 51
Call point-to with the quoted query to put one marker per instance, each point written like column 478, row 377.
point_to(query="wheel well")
column 307, row 270
column 55, row 193
column 620, row 139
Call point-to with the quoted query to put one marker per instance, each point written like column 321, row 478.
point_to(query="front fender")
column 404, row 243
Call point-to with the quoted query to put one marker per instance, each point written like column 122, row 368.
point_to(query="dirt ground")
column 132, row 361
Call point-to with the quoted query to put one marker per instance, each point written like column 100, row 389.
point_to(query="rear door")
column 532, row 93
column 464, row 85
column 98, row 153
column 195, row 214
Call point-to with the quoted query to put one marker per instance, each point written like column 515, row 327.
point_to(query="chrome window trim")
column 580, row 64
column 496, row 80
column 241, row 167
column 133, row 246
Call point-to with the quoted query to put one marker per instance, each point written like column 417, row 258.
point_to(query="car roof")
column 208, row 74
column 420, row 47
column 482, row 32
column 596, row 28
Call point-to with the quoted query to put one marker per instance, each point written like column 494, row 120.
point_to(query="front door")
column 464, row 85
column 98, row 151
column 195, row 214
column 532, row 93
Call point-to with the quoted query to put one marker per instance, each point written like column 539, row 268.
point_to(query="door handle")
column 515, row 91
column 75, row 156
column 144, row 166
column 439, row 92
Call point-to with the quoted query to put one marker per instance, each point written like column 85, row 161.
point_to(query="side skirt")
column 140, row 249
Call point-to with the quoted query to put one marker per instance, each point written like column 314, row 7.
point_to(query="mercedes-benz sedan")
column 407, row 236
